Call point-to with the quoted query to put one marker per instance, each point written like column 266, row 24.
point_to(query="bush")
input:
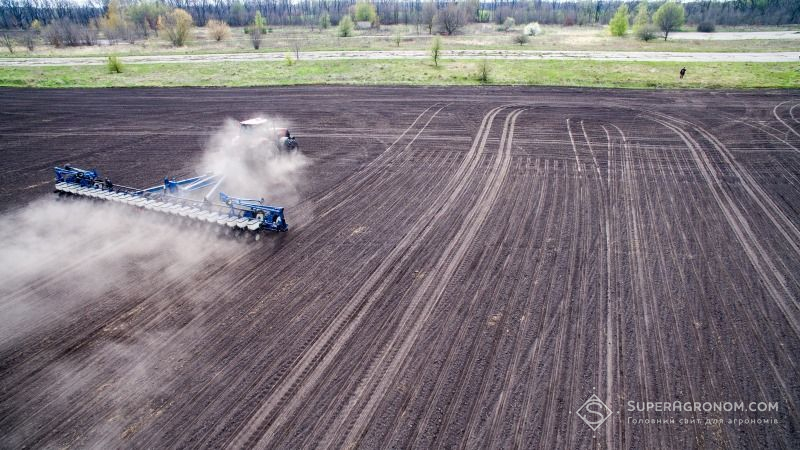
column 485, row 71
column 521, row 39
column 365, row 12
column 619, row 23
column 507, row 24
column 114, row 25
column 346, row 27
column 114, row 65
column 647, row 32
column 63, row 32
column 218, row 30
column 706, row 27
column 146, row 15
column 325, row 21
column 257, row 30
column 86, row 35
column 178, row 26
column 533, row 29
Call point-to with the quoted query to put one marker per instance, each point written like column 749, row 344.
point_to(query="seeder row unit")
column 179, row 198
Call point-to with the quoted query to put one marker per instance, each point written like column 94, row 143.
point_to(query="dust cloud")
column 57, row 255
column 254, row 164
column 64, row 260
column 67, row 262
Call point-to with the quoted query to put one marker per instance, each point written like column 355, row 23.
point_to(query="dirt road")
column 416, row 54
column 736, row 35
column 465, row 267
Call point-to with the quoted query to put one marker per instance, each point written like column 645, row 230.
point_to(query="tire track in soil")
column 736, row 218
column 744, row 235
column 559, row 324
column 430, row 182
column 667, row 206
column 345, row 394
column 481, row 374
column 442, row 274
column 495, row 423
column 729, row 301
column 613, row 334
column 244, row 255
column 423, row 191
column 340, row 413
column 656, row 209
column 751, row 186
column 354, row 184
column 441, row 345
column 743, row 338
column 641, row 319
column 788, row 127
column 584, row 275
column 606, row 350
column 321, row 352
column 544, row 329
column 659, row 360
column 319, row 317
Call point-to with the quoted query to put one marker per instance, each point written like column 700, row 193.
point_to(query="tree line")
column 22, row 14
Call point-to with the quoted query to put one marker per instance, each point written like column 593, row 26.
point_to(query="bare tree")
column 8, row 42
column 451, row 19
column 428, row 15
column 297, row 44
column 29, row 39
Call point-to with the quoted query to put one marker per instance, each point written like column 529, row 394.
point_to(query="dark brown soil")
column 465, row 268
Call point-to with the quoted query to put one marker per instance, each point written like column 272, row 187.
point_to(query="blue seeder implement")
column 177, row 197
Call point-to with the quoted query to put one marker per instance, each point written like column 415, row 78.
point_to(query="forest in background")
column 22, row 14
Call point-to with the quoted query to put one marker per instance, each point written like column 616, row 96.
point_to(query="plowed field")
column 464, row 268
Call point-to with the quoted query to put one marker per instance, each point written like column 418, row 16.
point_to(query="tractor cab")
column 281, row 136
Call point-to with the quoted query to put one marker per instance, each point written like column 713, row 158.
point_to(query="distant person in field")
column 683, row 72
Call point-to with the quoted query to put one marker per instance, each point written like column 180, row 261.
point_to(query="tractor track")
column 350, row 314
column 464, row 268
column 441, row 274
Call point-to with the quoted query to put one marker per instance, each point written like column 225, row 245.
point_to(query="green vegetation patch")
column 414, row 72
